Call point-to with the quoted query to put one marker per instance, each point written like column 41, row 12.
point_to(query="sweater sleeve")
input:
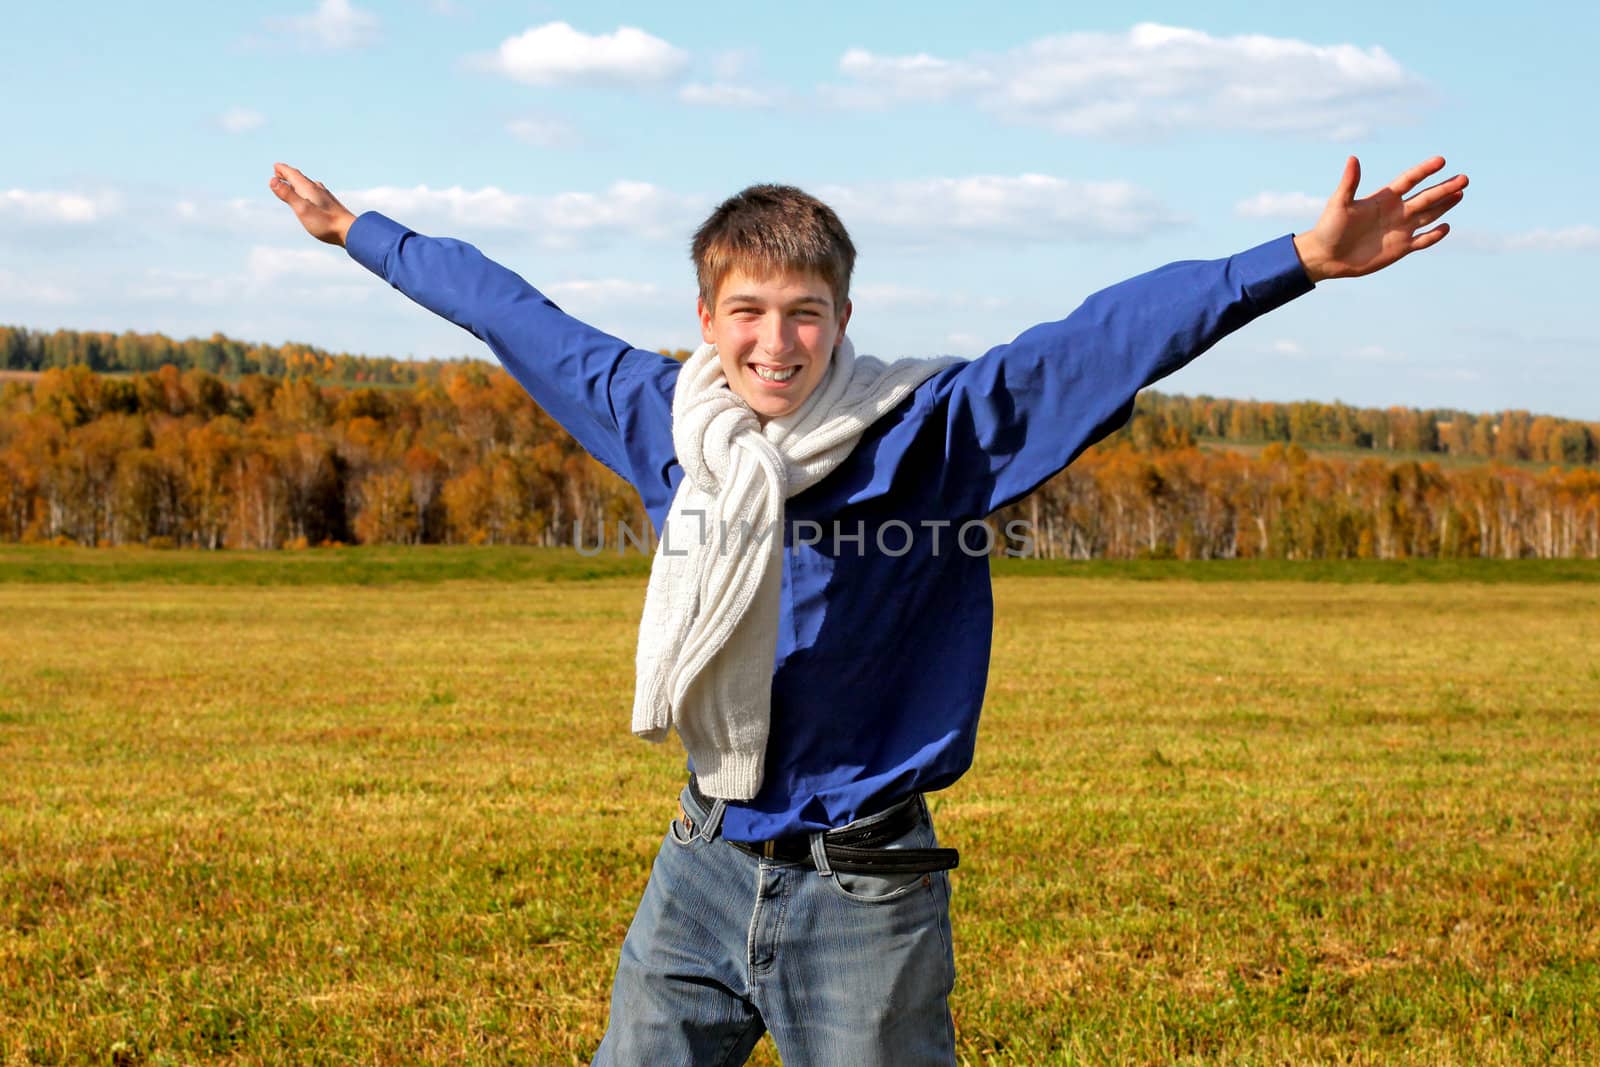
column 614, row 399
column 1021, row 412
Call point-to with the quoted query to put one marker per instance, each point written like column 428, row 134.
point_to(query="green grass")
column 384, row 565
column 443, row 563
column 1340, row 571
column 286, row 821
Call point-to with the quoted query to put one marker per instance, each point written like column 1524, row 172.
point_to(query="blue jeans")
column 844, row 969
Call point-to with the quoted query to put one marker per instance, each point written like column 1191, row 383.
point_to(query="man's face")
column 774, row 336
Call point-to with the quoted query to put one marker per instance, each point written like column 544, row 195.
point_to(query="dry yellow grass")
column 1208, row 823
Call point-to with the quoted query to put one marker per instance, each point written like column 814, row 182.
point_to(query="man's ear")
column 844, row 320
column 706, row 334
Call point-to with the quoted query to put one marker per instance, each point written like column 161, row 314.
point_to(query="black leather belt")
column 852, row 849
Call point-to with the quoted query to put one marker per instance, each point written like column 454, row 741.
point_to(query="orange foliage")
column 188, row 459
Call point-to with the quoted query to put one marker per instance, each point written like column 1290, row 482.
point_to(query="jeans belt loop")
column 713, row 819
column 819, row 854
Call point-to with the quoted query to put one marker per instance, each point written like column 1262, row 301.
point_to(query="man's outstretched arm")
column 614, row 399
column 1023, row 411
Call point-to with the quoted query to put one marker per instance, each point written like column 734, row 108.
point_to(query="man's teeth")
column 777, row 376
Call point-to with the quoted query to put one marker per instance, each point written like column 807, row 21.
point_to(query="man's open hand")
column 318, row 211
column 1355, row 237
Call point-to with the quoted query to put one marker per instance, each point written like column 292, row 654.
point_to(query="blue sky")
column 994, row 169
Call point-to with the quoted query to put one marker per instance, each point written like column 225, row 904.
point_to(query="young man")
column 818, row 620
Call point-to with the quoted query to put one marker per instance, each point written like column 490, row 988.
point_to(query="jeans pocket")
column 868, row 887
column 877, row 888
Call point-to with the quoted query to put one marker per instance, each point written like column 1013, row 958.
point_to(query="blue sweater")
column 883, row 641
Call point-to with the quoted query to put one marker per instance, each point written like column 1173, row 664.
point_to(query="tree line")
column 22, row 349
column 1508, row 436
column 1163, row 422
column 1282, row 502
column 187, row 458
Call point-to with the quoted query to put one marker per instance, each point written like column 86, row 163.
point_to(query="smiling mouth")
column 767, row 375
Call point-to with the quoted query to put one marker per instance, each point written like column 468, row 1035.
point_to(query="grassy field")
column 384, row 809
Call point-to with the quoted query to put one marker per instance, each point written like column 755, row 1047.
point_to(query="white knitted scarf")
column 708, row 639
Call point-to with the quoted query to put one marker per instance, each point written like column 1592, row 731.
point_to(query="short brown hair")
column 772, row 229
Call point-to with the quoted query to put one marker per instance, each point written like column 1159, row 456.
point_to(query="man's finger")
column 1349, row 181
column 283, row 190
column 1432, row 214
column 297, row 181
column 1429, row 238
column 1434, row 193
column 1409, row 179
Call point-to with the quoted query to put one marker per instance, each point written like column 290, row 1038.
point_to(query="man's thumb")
column 1349, row 182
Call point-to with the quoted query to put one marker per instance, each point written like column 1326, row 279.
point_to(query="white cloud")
column 634, row 209
column 245, row 215
column 726, row 66
column 725, row 88
column 19, row 288
column 965, row 344
column 292, row 278
column 882, row 80
column 557, row 54
column 880, row 296
column 1279, row 206
column 489, row 207
column 543, row 131
column 334, row 26
column 267, row 264
column 49, row 206
column 1451, row 374
column 607, row 296
column 240, row 120
column 1026, row 207
column 1377, row 354
column 1285, row 347
column 724, row 94
column 897, row 296
column 187, row 287
column 1582, row 238
column 1153, row 80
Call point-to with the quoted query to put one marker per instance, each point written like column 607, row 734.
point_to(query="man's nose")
column 776, row 337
